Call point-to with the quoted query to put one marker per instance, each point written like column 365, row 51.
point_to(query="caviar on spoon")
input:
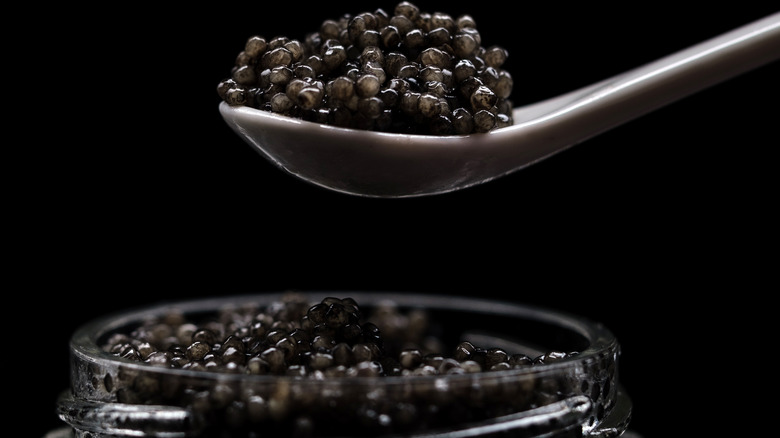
column 373, row 163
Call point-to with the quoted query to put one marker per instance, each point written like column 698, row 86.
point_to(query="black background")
column 133, row 190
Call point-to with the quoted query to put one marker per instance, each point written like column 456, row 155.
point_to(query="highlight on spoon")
column 370, row 163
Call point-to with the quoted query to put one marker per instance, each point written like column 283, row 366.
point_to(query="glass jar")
column 578, row 395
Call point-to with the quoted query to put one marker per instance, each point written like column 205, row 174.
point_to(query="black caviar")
column 407, row 72
column 326, row 342
column 329, row 339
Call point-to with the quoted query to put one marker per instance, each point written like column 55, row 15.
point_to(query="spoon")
column 377, row 164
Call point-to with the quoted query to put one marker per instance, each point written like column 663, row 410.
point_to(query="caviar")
column 330, row 338
column 406, row 72
column 314, row 348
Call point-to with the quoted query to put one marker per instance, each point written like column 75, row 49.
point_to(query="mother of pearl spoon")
column 376, row 164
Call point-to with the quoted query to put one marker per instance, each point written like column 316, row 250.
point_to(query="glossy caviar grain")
column 346, row 73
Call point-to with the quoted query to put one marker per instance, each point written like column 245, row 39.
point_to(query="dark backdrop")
column 141, row 193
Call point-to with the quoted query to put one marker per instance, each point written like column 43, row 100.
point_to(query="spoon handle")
column 606, row 104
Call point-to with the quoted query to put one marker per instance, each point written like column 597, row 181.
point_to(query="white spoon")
column 375, row 164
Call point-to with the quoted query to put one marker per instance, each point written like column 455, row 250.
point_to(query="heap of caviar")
column 328, row 339
column 323, row 348
column 407, row 72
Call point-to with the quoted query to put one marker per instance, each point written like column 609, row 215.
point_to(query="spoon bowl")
column 379, row 164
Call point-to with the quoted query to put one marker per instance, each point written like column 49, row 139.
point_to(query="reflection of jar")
column 111, row 396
